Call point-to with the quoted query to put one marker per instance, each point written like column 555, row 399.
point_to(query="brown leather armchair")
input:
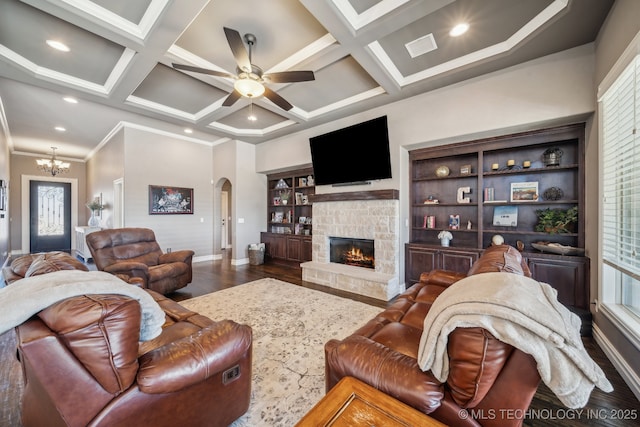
column 490, row 383
column 135, row 252
column 84, row 366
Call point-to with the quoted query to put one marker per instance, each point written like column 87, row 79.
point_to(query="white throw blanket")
column 26, row 297
column 523, row 313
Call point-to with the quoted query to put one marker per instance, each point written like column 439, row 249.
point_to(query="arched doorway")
column 223, row 213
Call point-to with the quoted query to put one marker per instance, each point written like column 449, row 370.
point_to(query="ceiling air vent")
column 421, row 45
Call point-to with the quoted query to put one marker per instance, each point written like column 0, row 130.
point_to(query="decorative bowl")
column 442, row 171
column 557, row 248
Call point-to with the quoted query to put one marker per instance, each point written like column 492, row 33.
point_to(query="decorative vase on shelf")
column 93, row 220
column 444, row 242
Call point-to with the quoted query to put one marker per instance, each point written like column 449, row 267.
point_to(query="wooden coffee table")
column 353, row 403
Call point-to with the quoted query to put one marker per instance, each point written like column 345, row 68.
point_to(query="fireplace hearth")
column 355, row 252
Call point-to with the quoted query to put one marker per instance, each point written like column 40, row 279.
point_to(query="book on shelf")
column 489, row 194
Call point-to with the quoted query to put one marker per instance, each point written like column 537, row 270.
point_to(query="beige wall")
column 235, row 161
column 106, row 166
column 4, row 215
column 620, row 28
column 152, row 158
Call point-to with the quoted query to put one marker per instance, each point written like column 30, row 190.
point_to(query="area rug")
column 290, row 326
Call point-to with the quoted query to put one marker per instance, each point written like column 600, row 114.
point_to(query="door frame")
column 224, row 217
column 118, row 203
column 26, row 204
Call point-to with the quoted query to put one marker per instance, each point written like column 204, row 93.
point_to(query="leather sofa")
column 136, row 253
column 84, row 366
column 490, row 383
column 40, row 263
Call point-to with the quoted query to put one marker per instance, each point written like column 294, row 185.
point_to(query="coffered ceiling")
column 364, row 53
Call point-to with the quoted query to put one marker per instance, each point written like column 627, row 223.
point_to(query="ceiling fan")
column 250, row 79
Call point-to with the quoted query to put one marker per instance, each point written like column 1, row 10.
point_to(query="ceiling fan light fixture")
column 249, row 88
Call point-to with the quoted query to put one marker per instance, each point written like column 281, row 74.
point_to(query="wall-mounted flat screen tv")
column 355, row 154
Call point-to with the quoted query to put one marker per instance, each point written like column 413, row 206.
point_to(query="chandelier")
column 53, row 165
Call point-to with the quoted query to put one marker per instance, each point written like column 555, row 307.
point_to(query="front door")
column 50, row 216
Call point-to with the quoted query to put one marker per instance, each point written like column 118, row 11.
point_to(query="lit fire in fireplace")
column 354, row 256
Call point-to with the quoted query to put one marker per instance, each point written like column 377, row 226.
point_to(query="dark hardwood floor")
column 619, row 408
column 217, row 275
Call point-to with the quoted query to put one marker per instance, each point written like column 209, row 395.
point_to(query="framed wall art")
column 164, row 200
column 524, row 192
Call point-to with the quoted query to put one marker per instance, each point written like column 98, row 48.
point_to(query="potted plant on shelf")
column 557, row 220
column 445, row 237
column 285, row 195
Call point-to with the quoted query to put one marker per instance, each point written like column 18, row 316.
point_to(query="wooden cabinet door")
column 275, row 245
column 307, row 249
column 294, row 248
column 418, row 260
column 459, row 261
column 568, row 275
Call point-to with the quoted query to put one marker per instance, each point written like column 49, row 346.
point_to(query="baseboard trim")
column 625, row 371
column 203, row 258
column 241, row 261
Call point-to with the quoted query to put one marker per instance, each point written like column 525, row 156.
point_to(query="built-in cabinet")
column 479, row 189
column 289, row 216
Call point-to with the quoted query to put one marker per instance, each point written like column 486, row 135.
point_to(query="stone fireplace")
column 357, row 216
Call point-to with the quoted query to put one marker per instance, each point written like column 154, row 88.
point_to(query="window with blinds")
column 620, row 220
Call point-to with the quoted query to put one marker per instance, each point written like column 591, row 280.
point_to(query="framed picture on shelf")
column 454, row 222
column 505, row 216
column 302, row 182
column 278, row 217
column 170, row 200
column 299, row 198
column 524, row 191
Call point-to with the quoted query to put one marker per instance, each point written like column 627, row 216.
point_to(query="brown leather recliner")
column 84, row 366
column 490, row 383
column 136, row 253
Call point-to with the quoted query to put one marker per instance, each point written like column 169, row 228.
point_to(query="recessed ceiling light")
column 459, row 29
column 252, row 118
column 58, row 45
column 188, row 130
column 60, row 129
column 70, row 100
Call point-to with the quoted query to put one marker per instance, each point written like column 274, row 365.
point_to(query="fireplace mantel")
column 355, row 195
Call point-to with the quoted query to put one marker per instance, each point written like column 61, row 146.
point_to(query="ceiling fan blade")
column 277, row 99
column 202, row 70
column 238, row 49
column 290, row 76
column 232, row 98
